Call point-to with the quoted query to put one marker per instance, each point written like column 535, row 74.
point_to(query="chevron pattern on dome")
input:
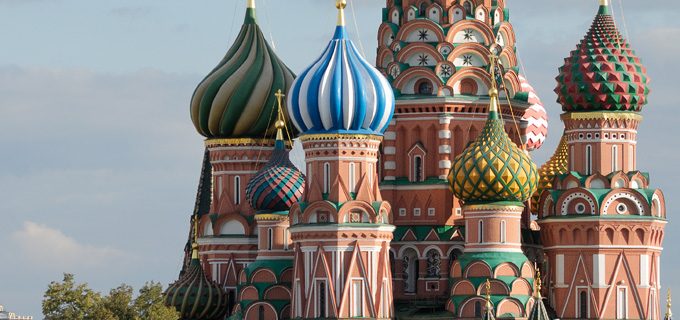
column 278, row 185
column 493, row 168
column 535, row 116
column 557, row 165
column 603, row 73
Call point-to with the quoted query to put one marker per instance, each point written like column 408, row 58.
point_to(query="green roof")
column 443, row 232
column 493, row 259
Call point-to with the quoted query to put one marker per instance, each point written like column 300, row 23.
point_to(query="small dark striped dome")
column 195, row 296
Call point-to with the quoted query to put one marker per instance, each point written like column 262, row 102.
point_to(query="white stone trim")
column 445, row 164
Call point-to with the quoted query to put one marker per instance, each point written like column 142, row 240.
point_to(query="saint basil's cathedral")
column 419, row 197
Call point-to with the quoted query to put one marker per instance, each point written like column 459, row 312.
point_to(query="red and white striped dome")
column 535, row 116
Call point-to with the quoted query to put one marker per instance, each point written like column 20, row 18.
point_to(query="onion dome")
column 341, row 92
column 535, row 116
column 603, row 73
column 557, row 165
column 279, row 184
column 194, row 296
column 492, row 168
column 236, row 100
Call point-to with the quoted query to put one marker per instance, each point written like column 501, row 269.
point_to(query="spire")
column 604, row 7
column 251, row 18
column 488, row 309
column 537, row 284
column 280, row 123
column 341, row 5
column 669, row 313
column 493, row 92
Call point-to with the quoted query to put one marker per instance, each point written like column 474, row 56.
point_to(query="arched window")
column 418, row 168
column 615, row 158
column 326, row 177
column 270, row 239
column 352, row 177
column 423, row 8
column 424, row 87
column 260, row 312
column 589, row 160
column 478, row 309
column 468, row 87
column 468, row 8
column 503, row 231
column 480, row 232
column 434, row 261
column 410, row 267
column 237, row 190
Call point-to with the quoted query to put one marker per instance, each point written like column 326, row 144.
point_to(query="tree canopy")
column 76, row 301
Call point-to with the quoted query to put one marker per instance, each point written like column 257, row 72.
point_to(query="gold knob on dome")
column 493, row 92
column 279, row 124
column 341, row 4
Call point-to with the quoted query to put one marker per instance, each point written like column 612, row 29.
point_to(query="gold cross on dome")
column 279, row 97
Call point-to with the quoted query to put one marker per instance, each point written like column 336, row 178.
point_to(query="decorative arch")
column 232, row 224
column 467, row 307
column 658, row 205
column 506, row 269
column 263, row 275
column 475, row 25
column 479, row 53
column 456, row 13
column 385, row 57
column 277, row 292
column 406, row 81
column 435, row 13
column 463, row 287
column 546, row 204
column 413, row 54
column 521, row 287
column 414, row 32
column 506, row 31
column 510, row 306
column 619, row 180
column 497, row 287
column 406, row 247
column 481, row 77
column 310, row 215
column 249, row 293
column 387, row 33
column 634, row 197
column 579, row 195
column 345, row 214
column 478, row 269
column 253, row 311
column 597, row 181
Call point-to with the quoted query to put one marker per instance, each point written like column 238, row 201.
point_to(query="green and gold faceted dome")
column 237, row 99
column 492, row 168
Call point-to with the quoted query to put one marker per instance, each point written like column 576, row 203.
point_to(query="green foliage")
column 69, row 300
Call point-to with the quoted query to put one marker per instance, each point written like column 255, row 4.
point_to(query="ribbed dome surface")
column 278, row 185
column 341, row 93
column 535, row 116
column 603, row 73
column 195, row 296
column 492, row 168
column 557, row 165
column 237, row 98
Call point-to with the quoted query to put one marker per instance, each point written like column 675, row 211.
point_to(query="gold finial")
column 341, row 5
column 279, row 124
column 493, row 91
column 488, row 293
column 537, row 284
column 251, row 4
column 669, row 313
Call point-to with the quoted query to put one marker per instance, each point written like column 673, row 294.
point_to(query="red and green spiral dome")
column 603, row 73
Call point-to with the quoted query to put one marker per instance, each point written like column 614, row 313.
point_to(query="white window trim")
column 480, row 231
column 353, row 301
column 352, row 177
column 402, row 212
column 431, row 212
column 237, row 190
column 416, row 212
column 589, row 160
column 615, row 158
column 326, row 177
column 318, row 281
column 503, row 231
column 270, row 239
column 619, row 302
column 578, row 302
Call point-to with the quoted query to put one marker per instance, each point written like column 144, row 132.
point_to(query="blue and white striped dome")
column 341, row 93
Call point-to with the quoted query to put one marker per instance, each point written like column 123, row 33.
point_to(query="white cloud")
column 41, row 244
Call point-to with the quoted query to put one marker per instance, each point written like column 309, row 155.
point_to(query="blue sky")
column 99, row 161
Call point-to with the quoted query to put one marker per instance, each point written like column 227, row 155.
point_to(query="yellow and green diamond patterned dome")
column 492, row 168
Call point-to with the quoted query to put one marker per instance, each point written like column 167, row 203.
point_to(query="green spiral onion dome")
column 237, row 99
column 196, row 297
column 603, row 73
column 492, row 168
